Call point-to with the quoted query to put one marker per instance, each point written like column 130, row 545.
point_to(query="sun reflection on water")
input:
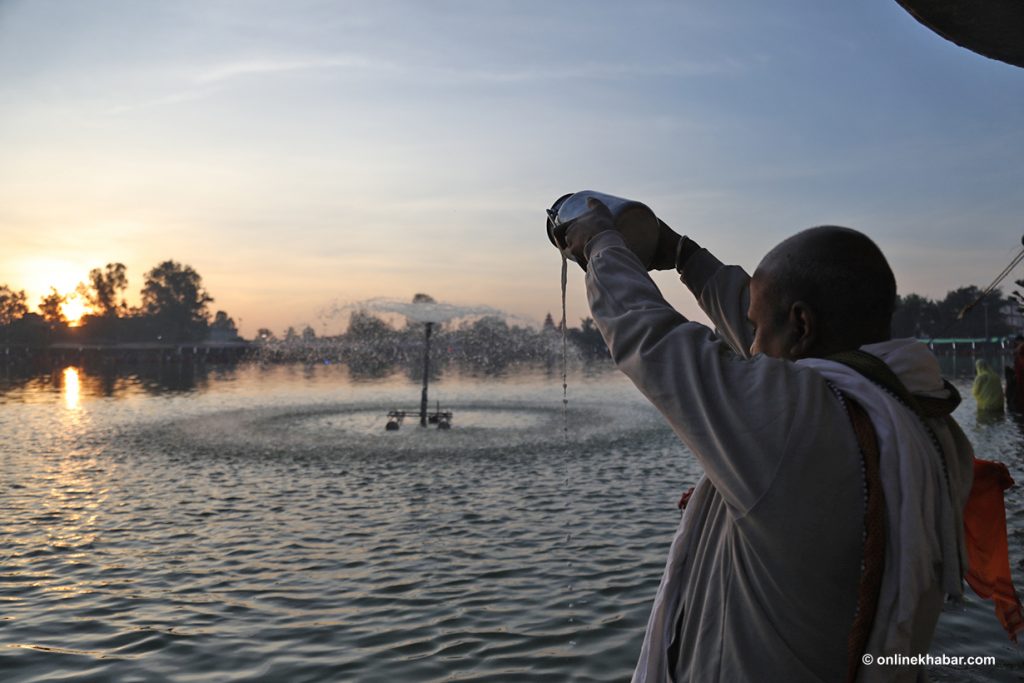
column 72, row 388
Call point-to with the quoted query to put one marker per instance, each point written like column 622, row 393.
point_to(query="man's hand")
column 572, row 236
column 667, row 251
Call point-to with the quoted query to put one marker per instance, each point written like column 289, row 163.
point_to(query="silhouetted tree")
column 12, row 305
column 366, row 328
column 173, row 294
column 103, row 288
column 51, row 308
column 915, row 316
column 1018, row 298
column 223, row 327
column 308, row 333
column 488, row 344
column 373, row 346
column 29, row 329
column 984, row 318
column 918, row 316
column 588, row 339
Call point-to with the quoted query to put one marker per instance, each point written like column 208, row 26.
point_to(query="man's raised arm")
column 723, row 292
column 722, row 406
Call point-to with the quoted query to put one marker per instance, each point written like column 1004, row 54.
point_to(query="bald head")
column 838, row 273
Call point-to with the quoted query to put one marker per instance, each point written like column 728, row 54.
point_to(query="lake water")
column 260, row 524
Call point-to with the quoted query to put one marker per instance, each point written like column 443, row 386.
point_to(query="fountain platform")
column 441, row 418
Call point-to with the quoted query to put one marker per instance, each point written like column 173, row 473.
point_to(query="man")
column 766, row 576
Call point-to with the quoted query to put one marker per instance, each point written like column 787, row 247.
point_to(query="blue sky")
column 299, row 154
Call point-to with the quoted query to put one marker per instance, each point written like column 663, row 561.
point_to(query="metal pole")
column 426, row 376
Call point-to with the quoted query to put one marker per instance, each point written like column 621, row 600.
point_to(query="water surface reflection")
column 257, row 523
column 72, row 389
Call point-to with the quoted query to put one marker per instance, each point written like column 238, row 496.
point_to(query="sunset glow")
column 310, row 155
column 72, row 388
column 74, row 308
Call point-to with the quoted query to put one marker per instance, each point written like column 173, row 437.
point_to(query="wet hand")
column 572, row 236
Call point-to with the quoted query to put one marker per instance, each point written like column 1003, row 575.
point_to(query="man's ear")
column 803, row 328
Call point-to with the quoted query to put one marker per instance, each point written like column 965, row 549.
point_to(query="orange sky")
column 313, row 154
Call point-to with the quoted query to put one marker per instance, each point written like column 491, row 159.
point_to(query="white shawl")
column 924, row 503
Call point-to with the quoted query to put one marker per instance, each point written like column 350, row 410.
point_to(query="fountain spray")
column 441, row 418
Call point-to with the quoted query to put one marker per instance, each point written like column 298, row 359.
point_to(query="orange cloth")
column 987, row 551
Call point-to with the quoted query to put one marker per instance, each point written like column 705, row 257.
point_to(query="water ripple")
column 285, row 536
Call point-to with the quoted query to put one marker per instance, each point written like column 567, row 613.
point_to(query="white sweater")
column 762, row 575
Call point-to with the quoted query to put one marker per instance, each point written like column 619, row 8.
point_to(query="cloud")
column 210, row 79
column 588, row 71
column 186, row 95
column 218, row 73
column 261, row 66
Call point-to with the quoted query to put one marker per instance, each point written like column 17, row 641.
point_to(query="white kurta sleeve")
column 735, row 414
column 723, row 293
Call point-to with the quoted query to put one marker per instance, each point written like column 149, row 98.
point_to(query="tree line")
column 372, row 347
column 924, row 318
column 491, row 344
column 174, row 308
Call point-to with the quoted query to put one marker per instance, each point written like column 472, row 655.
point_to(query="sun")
column 74, row 308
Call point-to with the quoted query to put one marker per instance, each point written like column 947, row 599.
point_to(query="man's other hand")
column 667, row 251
